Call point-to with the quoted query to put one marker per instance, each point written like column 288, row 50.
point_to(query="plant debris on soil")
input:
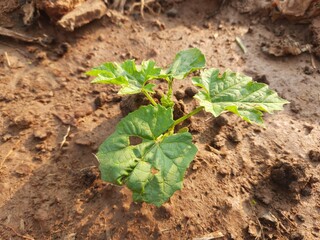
column 246, row 182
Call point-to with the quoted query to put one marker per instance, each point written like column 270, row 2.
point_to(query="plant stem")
column 193, row 112
column 149, row 98
column 169, row 93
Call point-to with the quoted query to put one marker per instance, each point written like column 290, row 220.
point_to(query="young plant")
column 144, row 152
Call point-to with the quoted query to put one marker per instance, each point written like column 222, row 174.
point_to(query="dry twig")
column 7, row 59
column 65, row 137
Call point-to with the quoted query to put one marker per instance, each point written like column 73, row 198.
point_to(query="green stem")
column 169, row 93
column 176, row 122
column 149, row 98
column 193, row 112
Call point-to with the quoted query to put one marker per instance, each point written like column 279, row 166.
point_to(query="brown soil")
column 246, row 182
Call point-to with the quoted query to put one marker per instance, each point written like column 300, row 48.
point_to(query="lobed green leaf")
column 154, row 168
column 237, row 93
column 185, row 62
column 131, row 77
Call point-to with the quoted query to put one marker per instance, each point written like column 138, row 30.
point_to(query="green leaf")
column 166, row 101
column 131, row 77
column 153, row 168
column 237, row 93
column 185, row 62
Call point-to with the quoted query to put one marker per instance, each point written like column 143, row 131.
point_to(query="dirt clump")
column 23, row 170
column 179, row 94
column 56, row 9
column 131, row 103
column 261, row 78
column 191, row 91
column 83, row 14
column 234, row 135
column 296, row 10
column 89, row 175
column 7, row 13
column 284, row 46
column 291, row 177
column 41, row 133
column 314, row 156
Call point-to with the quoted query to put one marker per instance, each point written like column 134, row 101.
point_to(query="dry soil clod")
column 83, row 14
column 314, row 156
column 284, row 46
column 296, row 9
column 191, row 91
column 290, row 177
